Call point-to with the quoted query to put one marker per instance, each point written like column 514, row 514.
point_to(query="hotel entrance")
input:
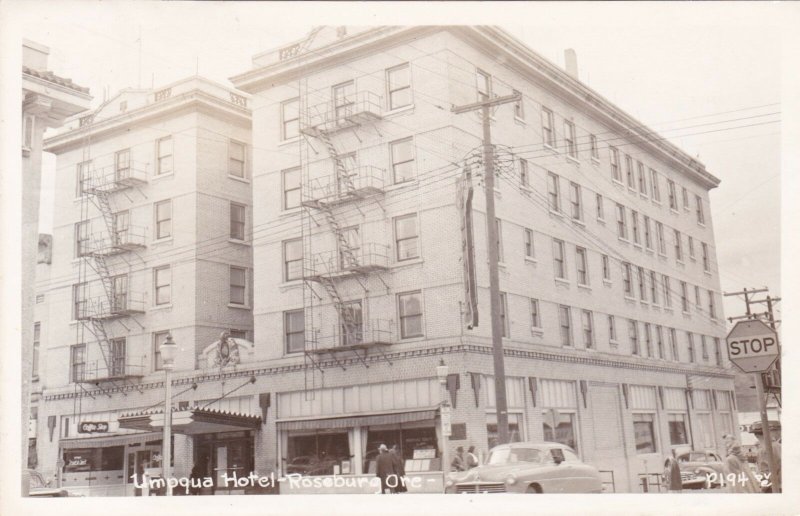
column 224, row 454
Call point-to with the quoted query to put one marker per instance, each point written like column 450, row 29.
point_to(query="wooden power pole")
column 494, row 279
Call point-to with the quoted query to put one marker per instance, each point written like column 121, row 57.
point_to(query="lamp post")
column 167, row 349
column 444, row 415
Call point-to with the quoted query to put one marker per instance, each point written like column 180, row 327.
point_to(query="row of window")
column 648, row 290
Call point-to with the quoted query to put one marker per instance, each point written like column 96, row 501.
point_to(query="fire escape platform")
column 351, row 347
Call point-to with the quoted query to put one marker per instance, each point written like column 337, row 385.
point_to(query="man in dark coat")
column 385, row 467
column 399, row 469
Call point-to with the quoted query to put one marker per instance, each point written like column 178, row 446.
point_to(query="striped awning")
column 353, row 421
column 109, row 440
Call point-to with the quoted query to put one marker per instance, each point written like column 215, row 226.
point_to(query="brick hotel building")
column 358, row 176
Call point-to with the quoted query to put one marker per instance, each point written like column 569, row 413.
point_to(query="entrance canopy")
column 192, row 421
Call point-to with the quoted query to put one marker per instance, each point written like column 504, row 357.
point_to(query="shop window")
column 559, row 427
column 677, row 429
column 644, row 431
column 317, row 454
column 514, row 429
column 408, row 440
column 78, row 460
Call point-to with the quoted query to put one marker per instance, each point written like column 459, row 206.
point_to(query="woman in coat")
column 737, row 475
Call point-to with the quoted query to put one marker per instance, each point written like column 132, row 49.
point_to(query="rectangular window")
column 410, row 309
column 499, row 234
column 717, row 352
column 351, row 317
column 484, row 85
column 635, row 228
column 642, row 178
column 349, row 243
column 633, row 334
column 704, row 348
column 660, row 341
column 712, row 309
column 343, row 100
column 402, row 152
column 667, row 291
column 79, row 310
column 117, row 358
column 588, row 329
column 622, row 225
column 629, row 172
column 678, row 246
column 238, row 286
column 615, row 172
column 83, row 178
column 158, row 339
column 654, row 185
column 293, row 259
column 119, row 293
column 627, row 285
column 398, row 82
column 582, row 266
column 690, row 347
column 648, row 237
column 122, row 164
column 684, row 297
column 291, row 188
column 162, row 281
column 662, row 245
column 164, row 152
column 558, row 426
column 673, row 345
column 701, row 219
column 121, row 222
column 691, row 246
column 642, row 286
column 575, row 201
column 406, row 237
column 548, row 132
column 606, row 268
column 644, row 432
column 653, row 288
column 677, row 429
column 529, row 249
column 504, row 313
column 294, row 330
column 82, row 247
column 648, row 339
column 77, row 362
column 237, row 216
column 524, row 177
column 553, row 192
column 569, row 139
column 536, row 321
column 519, row 107
column 236, row 158
column 238, row 334
column 697, row 300
column 559, row 259
column 706, row 266
column 612, row 329
column 163, row 219
column 290, row 119
column 37, row 337
column 685, row 199
column 565, row 323
column 595, row 152
column 673, row 199
column 600, row 207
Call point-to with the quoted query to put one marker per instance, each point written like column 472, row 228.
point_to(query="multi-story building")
column 152, row 236
column 611, row 313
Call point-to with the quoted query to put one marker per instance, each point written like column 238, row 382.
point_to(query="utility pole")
column 494, row 278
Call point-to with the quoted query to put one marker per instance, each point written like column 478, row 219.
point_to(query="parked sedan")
column 528, row 468
column 38, row 487
column 696, row 465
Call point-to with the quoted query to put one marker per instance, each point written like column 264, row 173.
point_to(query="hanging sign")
column 90, row 427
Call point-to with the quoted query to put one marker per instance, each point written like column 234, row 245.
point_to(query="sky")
column 706, row 76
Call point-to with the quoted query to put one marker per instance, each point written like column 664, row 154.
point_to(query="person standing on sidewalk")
column 385, row 468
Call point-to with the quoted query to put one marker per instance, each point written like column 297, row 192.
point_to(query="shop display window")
column 514, row 433
column 318, row 453
column 559, row 427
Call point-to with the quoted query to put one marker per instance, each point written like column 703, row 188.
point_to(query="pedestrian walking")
column 400, row 469
column 459, row 461
column 385, row 467
column 672, row 474
column 763, row 461
column 197, row 475
column 737, row 474
column 472, row 459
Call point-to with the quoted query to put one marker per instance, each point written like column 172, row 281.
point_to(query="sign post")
column 753, row 348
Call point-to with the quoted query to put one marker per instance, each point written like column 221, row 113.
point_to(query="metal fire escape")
column 117, row 239
column 326, row 202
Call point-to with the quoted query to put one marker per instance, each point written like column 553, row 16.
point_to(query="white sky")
column 679, row 68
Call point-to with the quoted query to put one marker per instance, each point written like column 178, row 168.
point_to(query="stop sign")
column 752, row 346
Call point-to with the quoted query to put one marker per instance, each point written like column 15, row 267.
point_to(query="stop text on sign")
column 743, row 347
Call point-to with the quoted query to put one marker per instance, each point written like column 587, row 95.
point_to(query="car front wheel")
column 534, row 489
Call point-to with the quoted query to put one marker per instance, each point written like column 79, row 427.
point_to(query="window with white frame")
column 529, row 248
column 662, row 244
column 684, row 297
column 622, row 224
column 600, row 208
column 238, row 286
column 690, row 240
column 294, row 330
column 642, row 286
column 615, row 171
column 406, row 237
column 553, row 193
column 559, row 426
column 548, row 127
column 504, row 319
column 519, row 106
column 606, row 267
column 656, row 193
column 569, row 139
column 612, row 329
column 77, row 362
column 237, row 216
column 575, row 201
column 410, row 312
column 398, row 84
column 653, row 288
column 717, row 352
column 402, row 153
column 536, row 321
column 629, row 172
column 82, row 246
column 559, row 259
column 690, row 347
column 648, row 238
column 593, row 149
column 678, row 246
column 667, row 291
column 122, row 164
column 648, row 339
column 565, row 323
column 635, row 228
column 291, row 188
column 697, row 300
column 587, row 321
column 673, row 344
column 164, row 153
column 673, row 198
column 678, row 433
column 158, row 339
column 712, row 309
column 633, row 335
column 644, row 432
column 704, row 348
column 162, row 281
column 524, row 177
column 685, row 199
column 290, row 119
column 701, row 219
column 627, row 284
column 484, row 85
column 642, row 178
column 83, row 177
column 706, row 266
column 293, row 259
column 582, row 265
column 236, row 158
column 79, row 300
column 163, row 211
column 660, row 341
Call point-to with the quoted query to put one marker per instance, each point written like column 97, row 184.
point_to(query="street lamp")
column 444, row 414
column 167, row 349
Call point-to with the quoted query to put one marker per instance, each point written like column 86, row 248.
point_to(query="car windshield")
column 36, row 480
column 514, row 455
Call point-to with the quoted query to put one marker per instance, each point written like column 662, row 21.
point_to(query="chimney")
column 571, row 62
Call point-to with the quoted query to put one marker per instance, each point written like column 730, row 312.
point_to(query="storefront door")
column 139, row 460
column 225, row 455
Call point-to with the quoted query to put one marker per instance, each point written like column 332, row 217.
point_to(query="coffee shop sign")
column 88, row 427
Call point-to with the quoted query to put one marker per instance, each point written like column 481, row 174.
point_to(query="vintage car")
column 542, row 467
column 38, row 487
column 696, row 465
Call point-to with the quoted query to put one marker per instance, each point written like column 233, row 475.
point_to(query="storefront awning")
column 353, row 421
column 109, row 440
column 192, row 421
